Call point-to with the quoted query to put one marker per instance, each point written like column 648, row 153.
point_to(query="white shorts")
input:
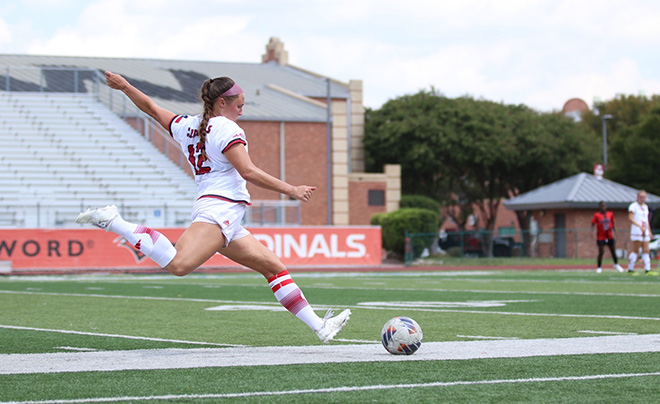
column 227, row 215
column 638, row 237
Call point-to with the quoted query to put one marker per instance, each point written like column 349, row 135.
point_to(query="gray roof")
column 579, row 191
column 174, row 84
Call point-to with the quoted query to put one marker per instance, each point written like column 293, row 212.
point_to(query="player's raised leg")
column 150, row 242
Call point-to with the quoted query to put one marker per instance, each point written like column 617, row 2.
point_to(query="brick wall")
column 305, row 157
column 360, row 212
column 580, row 239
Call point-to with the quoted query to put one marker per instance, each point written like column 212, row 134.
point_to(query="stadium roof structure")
column 583, row 191
column 274, row 92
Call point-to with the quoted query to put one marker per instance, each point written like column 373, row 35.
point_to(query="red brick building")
column 563, row 210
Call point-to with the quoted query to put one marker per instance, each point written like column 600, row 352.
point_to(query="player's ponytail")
column 212, row 89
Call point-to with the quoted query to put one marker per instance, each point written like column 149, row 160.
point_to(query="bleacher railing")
column 92, row 82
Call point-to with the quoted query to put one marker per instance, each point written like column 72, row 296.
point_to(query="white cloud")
column 108, row 28
column 5, row 33
column 539, row 52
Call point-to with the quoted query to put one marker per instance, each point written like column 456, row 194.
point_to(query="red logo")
column 137, row 254
column 226, row 222
column 138, row 244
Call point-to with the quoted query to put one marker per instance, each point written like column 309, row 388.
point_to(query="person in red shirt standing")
column 603, row 220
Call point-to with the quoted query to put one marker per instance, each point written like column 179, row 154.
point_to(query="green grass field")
column 218, row 334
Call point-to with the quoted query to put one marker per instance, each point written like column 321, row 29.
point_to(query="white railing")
column 51, row 215
column 92, row 82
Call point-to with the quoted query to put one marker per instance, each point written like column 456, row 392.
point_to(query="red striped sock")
column 291, row 297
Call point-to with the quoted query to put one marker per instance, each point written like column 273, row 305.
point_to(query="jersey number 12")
column 196, row 158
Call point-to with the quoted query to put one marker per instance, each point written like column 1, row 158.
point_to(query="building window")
column 376, row 197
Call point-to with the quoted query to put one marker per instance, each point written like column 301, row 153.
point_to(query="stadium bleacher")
column 62, row 152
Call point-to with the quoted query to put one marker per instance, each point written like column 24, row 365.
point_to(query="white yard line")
column 484, row 337
column 346, row 389
column 289, row 355
column 360, row 306
column 607, row 332
column 177, row 299
column 94, row 334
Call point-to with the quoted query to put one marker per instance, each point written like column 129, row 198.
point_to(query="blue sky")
column 535, row 52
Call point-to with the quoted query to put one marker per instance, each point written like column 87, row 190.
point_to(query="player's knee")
column 271, row 270
column 178, row 269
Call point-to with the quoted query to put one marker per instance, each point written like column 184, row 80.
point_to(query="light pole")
column 605, row 118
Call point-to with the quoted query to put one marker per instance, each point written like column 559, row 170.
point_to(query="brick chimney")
column 275, row 52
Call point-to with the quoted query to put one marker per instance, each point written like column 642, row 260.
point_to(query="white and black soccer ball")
column 401, row 336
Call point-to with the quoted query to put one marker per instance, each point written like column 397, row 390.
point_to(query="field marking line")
column 508, row 313
column 563, row 293
column 485, row 337
column 343, row 389
column 174, row 299
column 532, row 292
column 95, row 334
column 359, row 341
column 180, row 358
column 319, row 307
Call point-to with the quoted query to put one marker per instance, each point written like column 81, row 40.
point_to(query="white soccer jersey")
column 641, row 216
column 215, row 177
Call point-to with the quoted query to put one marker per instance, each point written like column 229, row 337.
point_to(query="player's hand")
column 303, row 193
column 115, row 81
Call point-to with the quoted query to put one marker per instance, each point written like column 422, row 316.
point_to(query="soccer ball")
column 401, row 336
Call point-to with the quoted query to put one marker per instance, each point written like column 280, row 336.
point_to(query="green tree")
column 628, row 112
column 553, row 147
column 635, row 154
column 480, row 151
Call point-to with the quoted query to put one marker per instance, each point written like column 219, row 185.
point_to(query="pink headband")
column 234, row 90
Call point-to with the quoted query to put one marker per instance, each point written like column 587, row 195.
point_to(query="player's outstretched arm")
column 240, row 159
column 141, row 100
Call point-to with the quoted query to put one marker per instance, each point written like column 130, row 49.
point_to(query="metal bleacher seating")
column 63, row 152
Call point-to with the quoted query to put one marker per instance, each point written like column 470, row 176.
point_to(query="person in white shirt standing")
column 640, row 233
column 216, row 148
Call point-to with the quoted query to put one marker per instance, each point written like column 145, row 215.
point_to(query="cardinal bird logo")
column 137, row 254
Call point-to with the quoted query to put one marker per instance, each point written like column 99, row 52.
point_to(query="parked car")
column 472, row 243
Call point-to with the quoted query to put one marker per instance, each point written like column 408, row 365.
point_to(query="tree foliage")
column 468, row 152
column 630, row 133
column 636, row 154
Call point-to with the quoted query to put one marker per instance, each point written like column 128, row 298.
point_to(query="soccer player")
column 217, row 151
column 603, row 220
column 640, row 233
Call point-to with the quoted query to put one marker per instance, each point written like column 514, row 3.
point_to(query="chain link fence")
column 562, row 243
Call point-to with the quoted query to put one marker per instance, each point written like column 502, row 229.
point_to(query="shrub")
column 414, row 220
column 420, row 201
column 377, row 219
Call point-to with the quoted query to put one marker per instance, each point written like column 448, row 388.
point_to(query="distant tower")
column 574, row 108
column 275, row 52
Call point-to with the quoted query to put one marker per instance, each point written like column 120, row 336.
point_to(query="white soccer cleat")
column 332, row 325
column 618, row 267
column 99, row 217
column 599, row 270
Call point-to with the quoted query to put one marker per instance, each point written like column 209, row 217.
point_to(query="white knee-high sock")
column 632, row 258
column 150, row 242
column 291, row 297
column 646, row 258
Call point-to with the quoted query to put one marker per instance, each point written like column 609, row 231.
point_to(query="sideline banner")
column 96, row 249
